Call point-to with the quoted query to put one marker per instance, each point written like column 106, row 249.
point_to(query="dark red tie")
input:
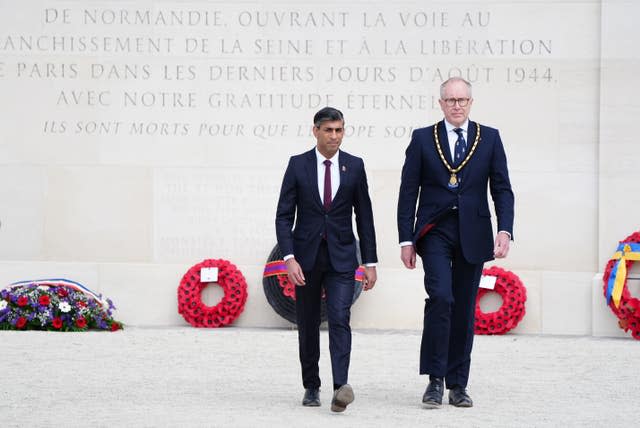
column 327, row 185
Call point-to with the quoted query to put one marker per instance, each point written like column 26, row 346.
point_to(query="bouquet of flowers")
column 54, row 304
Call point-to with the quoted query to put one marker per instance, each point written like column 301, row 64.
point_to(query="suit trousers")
column 339, row 290
column 449, row 312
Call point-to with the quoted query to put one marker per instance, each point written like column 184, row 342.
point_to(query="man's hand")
column 294, row 271
column 370, row 277
column 501, row 246
column 408, row 256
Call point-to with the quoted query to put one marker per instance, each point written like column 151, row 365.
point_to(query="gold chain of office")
column 453, row 180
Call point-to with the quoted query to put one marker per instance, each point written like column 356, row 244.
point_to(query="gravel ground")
column 236, row 377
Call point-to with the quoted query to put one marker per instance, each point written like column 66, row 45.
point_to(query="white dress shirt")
column 452, row 136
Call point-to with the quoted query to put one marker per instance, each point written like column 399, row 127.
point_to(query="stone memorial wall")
column 140, row 137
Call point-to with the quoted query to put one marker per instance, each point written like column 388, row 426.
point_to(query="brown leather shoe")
column 458, row 397
column 342, row 397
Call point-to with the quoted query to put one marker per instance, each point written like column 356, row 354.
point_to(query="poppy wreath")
column 619, row 299
column 190, row 304
column 514, row 296
column 281, row 293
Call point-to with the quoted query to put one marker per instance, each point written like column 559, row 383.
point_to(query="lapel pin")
column 344, row 168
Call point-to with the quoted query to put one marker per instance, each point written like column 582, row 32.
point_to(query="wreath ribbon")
column 61, row 282
column 626, row 251
column 278, row 267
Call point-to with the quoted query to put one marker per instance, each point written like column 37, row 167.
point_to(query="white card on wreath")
column 209, row 274
column 488, row 282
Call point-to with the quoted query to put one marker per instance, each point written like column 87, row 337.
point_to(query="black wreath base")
column 284, row 305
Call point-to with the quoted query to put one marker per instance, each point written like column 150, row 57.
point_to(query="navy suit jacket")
column 425, row 181
column 300, row 200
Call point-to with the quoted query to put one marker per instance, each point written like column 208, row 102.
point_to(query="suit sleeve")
column 364, row 220
column 500, row 188
column 409, row 189
column 286, row 210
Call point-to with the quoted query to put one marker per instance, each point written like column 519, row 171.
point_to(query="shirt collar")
column 449, row 127
column 320, row 158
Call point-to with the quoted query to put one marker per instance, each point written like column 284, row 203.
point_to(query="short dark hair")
column 327, row 114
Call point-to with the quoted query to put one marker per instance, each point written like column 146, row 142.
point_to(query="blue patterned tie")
column 460, row 148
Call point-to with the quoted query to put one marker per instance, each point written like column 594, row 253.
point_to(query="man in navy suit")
column 447, row 170
column 321, row 190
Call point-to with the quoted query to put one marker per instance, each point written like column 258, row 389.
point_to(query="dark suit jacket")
column 300, row 200
column 425, row 176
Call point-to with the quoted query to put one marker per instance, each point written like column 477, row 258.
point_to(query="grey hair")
column 454, row 79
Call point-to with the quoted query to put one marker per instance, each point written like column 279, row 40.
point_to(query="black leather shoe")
column 311, row 397
column 432, row 398
column 458, row 397
column 342, row 397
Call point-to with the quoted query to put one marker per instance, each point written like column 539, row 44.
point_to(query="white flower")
column 43, row 287
column 44, row 317
column 64, row 307
column 3, row 304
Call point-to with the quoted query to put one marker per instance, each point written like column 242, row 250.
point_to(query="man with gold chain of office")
column 444, row 217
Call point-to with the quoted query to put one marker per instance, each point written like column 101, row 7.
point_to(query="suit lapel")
column 312, row 173
column 468, row 168
column 345, row 174
column 471, row 134
column 471, row 138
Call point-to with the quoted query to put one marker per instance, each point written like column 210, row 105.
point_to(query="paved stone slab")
column 236, row 377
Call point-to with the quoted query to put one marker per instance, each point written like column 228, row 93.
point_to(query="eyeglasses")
column 462, row 102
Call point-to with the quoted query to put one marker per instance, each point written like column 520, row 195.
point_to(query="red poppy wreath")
column 622, row 303
column 514, row 296
column 190, row 304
